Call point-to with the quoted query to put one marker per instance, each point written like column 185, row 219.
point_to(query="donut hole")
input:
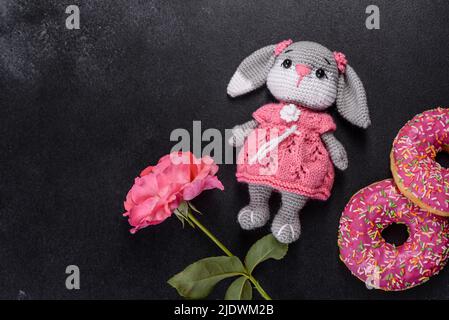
column 395, row 234
column 443, row 158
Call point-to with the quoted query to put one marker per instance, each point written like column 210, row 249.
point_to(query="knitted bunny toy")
column 306, row 78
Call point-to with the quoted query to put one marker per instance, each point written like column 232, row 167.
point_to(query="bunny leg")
column 286, row 226
column 257, row 212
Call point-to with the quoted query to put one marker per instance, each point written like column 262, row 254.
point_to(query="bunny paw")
column 340, row 160
column 238, row 136
column 253, row 217
column 285, row 231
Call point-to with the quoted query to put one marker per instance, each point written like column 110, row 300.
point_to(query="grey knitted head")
column 307, row 74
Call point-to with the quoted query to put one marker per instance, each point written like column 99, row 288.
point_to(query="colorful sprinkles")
column 378, row 263
column 413, row 164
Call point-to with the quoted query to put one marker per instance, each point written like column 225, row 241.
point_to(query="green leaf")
column 183, row 218
column 199, row 278
column 266, row 248
column 193, row 207
column 240, row 289
column 180, row 217
column 183, row 208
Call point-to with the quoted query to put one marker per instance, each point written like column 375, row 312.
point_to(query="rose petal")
column 140, row 212
column 145, row 187
column 192, row 190
column 146, row 171
column 213, row 183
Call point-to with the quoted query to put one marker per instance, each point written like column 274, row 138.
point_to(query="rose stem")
column 256, row 284
column 259, row 288
column 210, row 235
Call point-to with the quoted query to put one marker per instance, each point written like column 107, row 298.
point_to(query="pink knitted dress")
column 286, row 151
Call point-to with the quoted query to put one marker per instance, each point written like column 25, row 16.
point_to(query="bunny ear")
column 252, row 72
column 351, row 99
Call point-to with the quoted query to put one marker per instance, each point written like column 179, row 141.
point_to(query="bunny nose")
column 302, row 70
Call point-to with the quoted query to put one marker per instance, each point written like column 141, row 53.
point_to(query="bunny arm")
column 240, row 132
column 336, row 150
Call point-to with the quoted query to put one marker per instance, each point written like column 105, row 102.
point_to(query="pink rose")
column 159, row 190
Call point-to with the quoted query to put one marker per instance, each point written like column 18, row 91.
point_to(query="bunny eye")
column 287, row 63
column 320, row 73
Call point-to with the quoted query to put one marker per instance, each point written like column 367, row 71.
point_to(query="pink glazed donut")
column 415, row 171
column 383, row 265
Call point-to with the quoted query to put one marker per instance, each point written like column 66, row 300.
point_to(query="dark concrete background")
column 82, row 112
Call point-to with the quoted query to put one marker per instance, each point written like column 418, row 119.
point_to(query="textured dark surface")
column 82, row 112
